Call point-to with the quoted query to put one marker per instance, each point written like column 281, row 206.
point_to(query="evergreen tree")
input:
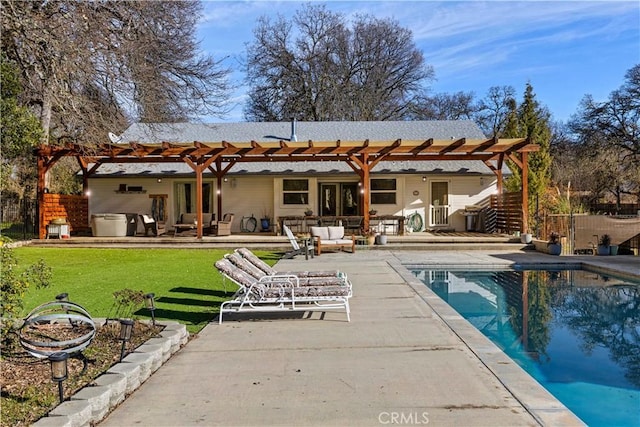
column 531, row 120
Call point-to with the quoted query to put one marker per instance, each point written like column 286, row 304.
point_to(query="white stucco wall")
column 105, row 198
column 244, row 195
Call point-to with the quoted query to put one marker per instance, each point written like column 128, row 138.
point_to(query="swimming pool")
column 576, row 332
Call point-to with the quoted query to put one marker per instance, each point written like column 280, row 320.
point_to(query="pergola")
column 361, row 156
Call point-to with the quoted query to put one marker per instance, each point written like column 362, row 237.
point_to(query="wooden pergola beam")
column 361, row 156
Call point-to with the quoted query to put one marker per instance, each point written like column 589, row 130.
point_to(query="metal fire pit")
column 57, row 326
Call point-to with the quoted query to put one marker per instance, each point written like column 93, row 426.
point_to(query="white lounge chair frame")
column 280, row 293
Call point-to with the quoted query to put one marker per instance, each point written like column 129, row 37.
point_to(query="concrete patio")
column 405, row 357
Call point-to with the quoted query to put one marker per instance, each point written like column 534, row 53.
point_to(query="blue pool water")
column 576, row 332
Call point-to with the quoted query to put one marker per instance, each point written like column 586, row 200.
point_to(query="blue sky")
column 565, row 49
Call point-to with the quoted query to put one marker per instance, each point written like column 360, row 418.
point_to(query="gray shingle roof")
column 315, row 131
column 298, row 168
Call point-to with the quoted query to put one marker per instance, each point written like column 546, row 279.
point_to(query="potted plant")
column 308, row 212
column 604, row 245
column 370, row 234
column 265, row 221
column 553, row 245
column 373, row 212
column 381, row 236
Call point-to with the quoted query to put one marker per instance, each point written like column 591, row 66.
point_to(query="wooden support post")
column 525, row 192
column 199, row 201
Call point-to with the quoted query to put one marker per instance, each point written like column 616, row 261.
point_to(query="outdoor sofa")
column 331, row 237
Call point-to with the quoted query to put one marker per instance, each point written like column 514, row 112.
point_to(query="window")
column 383, row 191
column 295, row 191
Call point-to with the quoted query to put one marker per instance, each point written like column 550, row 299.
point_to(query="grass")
column 187, row 287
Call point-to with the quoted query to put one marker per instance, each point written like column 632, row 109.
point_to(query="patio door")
column 439, row 204
column 328, row 199
column 338, row 198
column 185, row 197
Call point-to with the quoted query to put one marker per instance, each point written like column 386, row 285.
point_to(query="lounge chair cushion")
column 293, row 278
column 267, row 269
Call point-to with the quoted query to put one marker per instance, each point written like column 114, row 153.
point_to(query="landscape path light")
column 126, row 327
column 59, row 371
column 149, row 300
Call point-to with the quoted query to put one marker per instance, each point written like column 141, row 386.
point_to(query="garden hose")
column 415, row 222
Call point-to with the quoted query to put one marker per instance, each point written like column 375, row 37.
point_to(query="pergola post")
column 199, row 201
column 525, row 192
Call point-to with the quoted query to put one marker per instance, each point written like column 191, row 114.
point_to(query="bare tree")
column 613, row 127
column 445, row 106
column 615, row 122
column 317, row 68
column 495, row 109
column 89, row 66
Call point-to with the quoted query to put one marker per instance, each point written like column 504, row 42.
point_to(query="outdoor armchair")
column 152, row 226
column 223, row 228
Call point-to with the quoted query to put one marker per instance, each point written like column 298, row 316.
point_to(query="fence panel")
column 18, row 218
column 508, row 207
column 582, row 231
column 74, row 208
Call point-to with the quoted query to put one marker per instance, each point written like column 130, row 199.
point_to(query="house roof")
column 441, row 146
column 445, row 167
column 304, row 131
column 271, row 132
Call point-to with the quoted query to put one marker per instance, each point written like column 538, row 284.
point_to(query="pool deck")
column 405, row 358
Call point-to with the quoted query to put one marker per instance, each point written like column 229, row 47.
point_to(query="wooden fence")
column 508, row 208
column 74, row 208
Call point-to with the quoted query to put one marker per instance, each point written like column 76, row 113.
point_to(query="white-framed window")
column 383, row 191
column 295, row 191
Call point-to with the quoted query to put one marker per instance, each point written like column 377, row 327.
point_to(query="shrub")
column 14, row 283
column 605, row 240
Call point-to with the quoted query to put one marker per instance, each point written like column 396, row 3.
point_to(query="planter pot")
column 526, row 238
column 265, row 223
column 371, row 240
column 381, row 239
column 613, row 250
column 554, row 249
column 603, row 250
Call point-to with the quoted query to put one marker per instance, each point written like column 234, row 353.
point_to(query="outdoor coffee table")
column 179, row 227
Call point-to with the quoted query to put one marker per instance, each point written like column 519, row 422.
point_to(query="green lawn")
column 187, row 287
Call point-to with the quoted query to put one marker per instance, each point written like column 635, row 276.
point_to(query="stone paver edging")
column 94, row 402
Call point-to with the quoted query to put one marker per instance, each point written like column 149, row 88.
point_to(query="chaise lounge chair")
column 332, row 279
column 278, row 293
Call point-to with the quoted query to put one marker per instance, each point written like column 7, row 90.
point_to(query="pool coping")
column 538, row 401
